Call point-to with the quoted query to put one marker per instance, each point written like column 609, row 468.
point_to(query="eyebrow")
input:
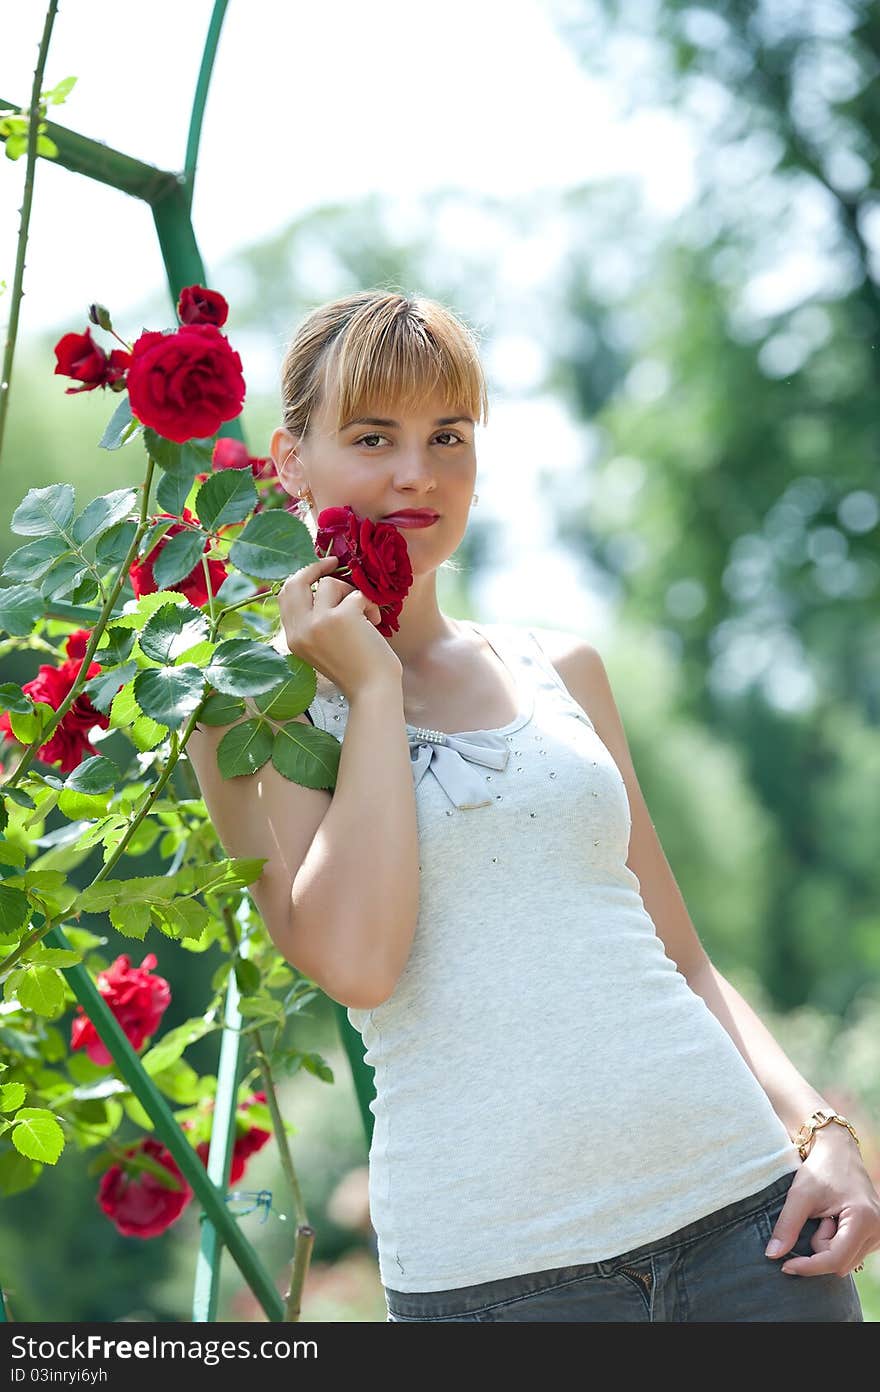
column 376, row 420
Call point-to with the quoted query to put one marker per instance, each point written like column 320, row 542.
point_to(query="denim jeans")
column 713, row 1269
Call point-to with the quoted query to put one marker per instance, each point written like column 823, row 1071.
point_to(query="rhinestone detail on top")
column 434, row 736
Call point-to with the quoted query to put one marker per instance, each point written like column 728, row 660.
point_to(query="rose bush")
column 177, row 578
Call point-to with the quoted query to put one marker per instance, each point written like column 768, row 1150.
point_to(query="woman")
column 576, row 1117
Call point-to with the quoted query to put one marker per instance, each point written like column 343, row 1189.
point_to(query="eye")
column 374, row 435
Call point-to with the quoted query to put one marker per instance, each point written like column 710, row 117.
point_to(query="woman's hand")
column 831, row 1184
column 334, row 629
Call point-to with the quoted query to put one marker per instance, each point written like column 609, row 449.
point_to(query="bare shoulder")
column 570, row 653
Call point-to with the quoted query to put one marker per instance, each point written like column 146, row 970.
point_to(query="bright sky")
column 310, row 104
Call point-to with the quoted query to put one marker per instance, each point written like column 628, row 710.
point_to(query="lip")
column 419, row 517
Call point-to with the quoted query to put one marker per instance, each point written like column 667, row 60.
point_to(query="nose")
column 415, row 471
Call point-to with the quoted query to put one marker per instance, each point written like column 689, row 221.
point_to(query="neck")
column 424, row 629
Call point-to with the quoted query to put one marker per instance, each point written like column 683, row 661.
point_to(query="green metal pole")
column 188, row 1162
column 207, row 1283
column 201, row 95
column 361, row 1072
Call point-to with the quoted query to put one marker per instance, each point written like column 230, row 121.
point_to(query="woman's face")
column 409, row 461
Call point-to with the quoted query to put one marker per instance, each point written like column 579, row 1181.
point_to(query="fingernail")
column 789, row 1270
column 773, row 1248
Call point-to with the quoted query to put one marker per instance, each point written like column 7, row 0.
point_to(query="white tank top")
column 549, row 1089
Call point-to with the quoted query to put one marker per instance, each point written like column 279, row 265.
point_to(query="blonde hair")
column 384, row 349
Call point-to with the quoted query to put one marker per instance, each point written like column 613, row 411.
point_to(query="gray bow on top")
column 449, row 757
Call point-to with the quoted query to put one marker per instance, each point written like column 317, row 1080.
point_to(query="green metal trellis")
column 169, row 198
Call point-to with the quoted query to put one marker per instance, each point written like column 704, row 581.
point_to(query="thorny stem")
column 30, row 164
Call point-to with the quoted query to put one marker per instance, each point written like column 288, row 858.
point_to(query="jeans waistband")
column 475, row 1296
column 710, row 1222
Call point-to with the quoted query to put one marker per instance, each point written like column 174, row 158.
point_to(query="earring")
column 304, row 502
column 474, row 499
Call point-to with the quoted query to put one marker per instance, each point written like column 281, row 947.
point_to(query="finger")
column 830, row 1262
column 837, row 1255
column 824, row 1234
column 786, row 1230
column 296, row 589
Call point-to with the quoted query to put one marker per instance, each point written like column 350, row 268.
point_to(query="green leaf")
column 102, row 514
column 171, row 631
column 247, row 975
column 115, row 645
column 85, row 807
column 37, row 1135
column 306, row 755
column 293, row 695
column 20, row 607
column 45, row 511
column 180, row 1082
column 273, row 545
column 197, row 453
column 11, row 854
column 17, row 1173
column 31, row 561
column 219, row 709
column 12, row 1095
column 136, row 1113
column 12, row 698
column 126, row 714
column 256, row 1007
column 178, row 558
column 19, row 795
column 41, row 989
column 225, row 497
column 46, row 147
column 173, row 1044
column 58, row 957
column 132, row 920
column 243, row 667
column 318, row 1066
column 102, row 688
column 166, row 453
column 169, row 695
column 245, row 748
column 15, row 911
column 94, row 775
column 63, row 577
column 55, row 95
column 113, row 546
column 118, row 427
column 172, row 493
column 187, row 918
column 27, row 728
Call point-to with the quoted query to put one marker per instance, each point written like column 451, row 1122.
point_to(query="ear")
column 283, row 448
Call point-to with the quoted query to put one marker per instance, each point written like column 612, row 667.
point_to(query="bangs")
column 398, row 355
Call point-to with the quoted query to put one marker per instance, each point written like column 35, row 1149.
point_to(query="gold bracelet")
column 821, row 1117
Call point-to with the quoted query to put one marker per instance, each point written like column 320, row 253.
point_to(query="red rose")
column 137, row 998
column 233, row 454
column 80, row 357
column 69, row 745
column 76, row 643
column 184, row 385
column 192, row 585
column 376, row 554
column 196, row 305
column 138, row 1203
column 247, row 1141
